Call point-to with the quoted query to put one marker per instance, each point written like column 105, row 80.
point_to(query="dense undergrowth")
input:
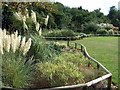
column 45, row 64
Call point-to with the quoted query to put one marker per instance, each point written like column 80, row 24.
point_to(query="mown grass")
column 105, row 50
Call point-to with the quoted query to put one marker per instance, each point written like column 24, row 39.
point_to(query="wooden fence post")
column 109, row 82
column 75, row 45
column 98, row 66
column 81, row 48
column 68, row 43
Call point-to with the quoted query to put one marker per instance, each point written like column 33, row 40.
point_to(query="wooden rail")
column 107, row 76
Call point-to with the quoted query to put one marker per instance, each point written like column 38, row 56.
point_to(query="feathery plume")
column 40, row 31
column 18, row 41
column 37, row 26
column 1, row 33
column 15, row 34
column 24, row 18
column 22, row 44
column 1, row 46
column 46, row 20
column 27, row 46
column 18, row 15
column 4, row 33
column 8, row 42
column 14, row 45
column 4, row 38
column 33, row 16
column 25, row 25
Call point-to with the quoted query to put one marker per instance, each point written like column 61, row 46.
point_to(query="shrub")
column 67, row 69
column 111, row 32
column 90, row 28
column 41, row 51
column 91, row 73
column 61, row 33
column 102, row 31
column 57, row 74
column 63, row 70
column 75, row 57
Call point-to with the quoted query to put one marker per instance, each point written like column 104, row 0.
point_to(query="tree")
column 90, row 28
column 114, row 16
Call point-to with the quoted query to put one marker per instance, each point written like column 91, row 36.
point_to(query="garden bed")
column 35, row 63
column 70, row 68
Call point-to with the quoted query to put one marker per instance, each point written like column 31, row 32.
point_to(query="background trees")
column 114, row 16
column 60, row 16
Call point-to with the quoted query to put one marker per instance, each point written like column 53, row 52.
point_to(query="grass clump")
column 16, row 72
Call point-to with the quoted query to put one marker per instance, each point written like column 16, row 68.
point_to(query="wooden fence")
column 99, row 65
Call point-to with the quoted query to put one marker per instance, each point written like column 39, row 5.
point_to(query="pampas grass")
column 13, row 42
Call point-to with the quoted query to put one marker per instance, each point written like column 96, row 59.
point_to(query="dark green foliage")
column 102, row 31
column 61, row 17
column 114, row 16
column 6, row 18
column 90, row 28
column 60, row 33
column 41, row 51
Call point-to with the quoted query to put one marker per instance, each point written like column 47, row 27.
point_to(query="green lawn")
column 105, row 50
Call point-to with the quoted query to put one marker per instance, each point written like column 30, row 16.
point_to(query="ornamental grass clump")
column 13, row 43
column 17, row 69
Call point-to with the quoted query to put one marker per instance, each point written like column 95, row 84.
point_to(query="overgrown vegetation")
column 67, row 69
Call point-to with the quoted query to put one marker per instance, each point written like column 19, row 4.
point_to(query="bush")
column 111, row 32
column 64, row 70
column 101, row 31
column 61, row 33
column 90, row 28
column 83, row 35
column 41, row 50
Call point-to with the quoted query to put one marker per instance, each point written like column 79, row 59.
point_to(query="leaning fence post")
column 68, row 43
column 89, row 63
column 98, row 66
column 109, row 82
column 81, row 48
column 75, row 45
